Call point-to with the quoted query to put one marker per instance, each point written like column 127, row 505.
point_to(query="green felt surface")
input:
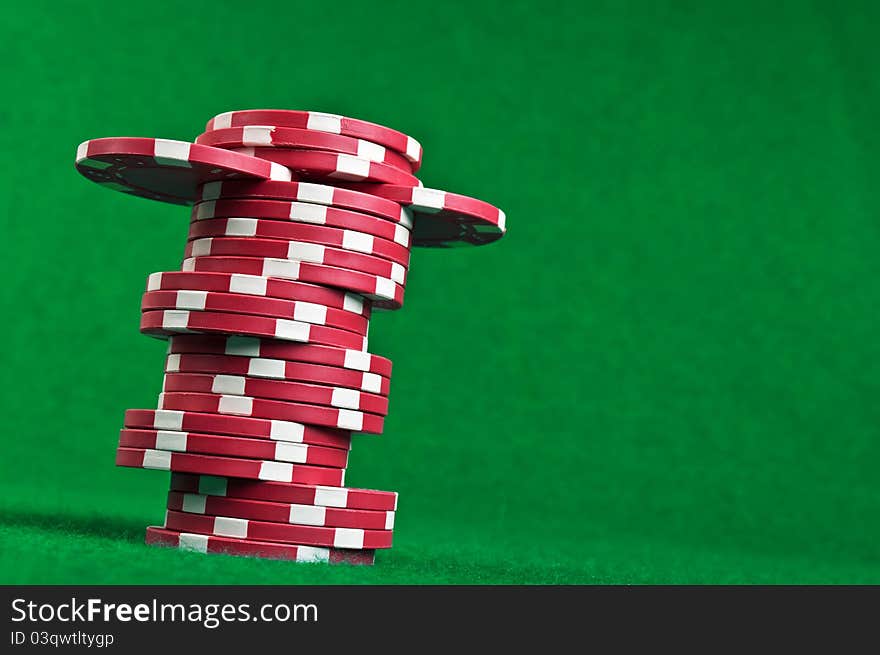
column 665, row 372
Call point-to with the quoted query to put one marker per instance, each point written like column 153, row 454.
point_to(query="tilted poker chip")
column 166, row 170
column 201, row 543
column 443, row 219
column 323, row 166
column 280, row 492
column 331, row 123
column 291, row 137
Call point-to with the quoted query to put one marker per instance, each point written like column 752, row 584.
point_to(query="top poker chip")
column 170, row 171
column 321, row 122
column 259, row 136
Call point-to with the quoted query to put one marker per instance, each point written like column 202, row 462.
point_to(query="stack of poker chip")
column 301, row 226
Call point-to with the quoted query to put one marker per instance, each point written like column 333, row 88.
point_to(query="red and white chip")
column 206, row 344
column 303, row 212
column 383, row 292
column 291, row 137
column 225, row 446
column 256, row 285
column 351, row 240
column 228, row 526
column 306, row 312
column 278, row 369
column 298, row 392
column 299, row 251
column 233, row 467
column 323, row 122
column 280, row 492
column 201, row 543
column 311, row 193
column 299, row 514
column 236, row 426
column 344, row 419
column 164, row 323
column 167, row 170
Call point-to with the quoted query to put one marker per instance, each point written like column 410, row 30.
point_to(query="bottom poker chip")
column 261, row 510
column 201, row 543
column 307, row 535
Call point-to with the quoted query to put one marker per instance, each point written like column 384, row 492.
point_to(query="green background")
column 666, row 372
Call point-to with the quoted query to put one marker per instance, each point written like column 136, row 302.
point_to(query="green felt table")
column 666, row 372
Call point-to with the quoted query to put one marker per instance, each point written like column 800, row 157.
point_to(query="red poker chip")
column 319, row 121
column 344, row 419
column 281, row 492
column 236, row 426
column 203, row 344
column 278, row 369
column 166, row 170
column 297, row 392
column 291, row 137
column 226, row 526
column 233, row 467
column 223, row 446
column 260, row 510
column 210, row 301
column 256, row 285
column 348, row 240
column 311, row 193
column 163, row 323
column 443, row 219
column 200, row 543
column 296, row 251
column 383, row 292
column 323, row 166
column 303, row 212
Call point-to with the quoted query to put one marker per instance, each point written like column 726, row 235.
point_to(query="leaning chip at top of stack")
column 301, row 226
